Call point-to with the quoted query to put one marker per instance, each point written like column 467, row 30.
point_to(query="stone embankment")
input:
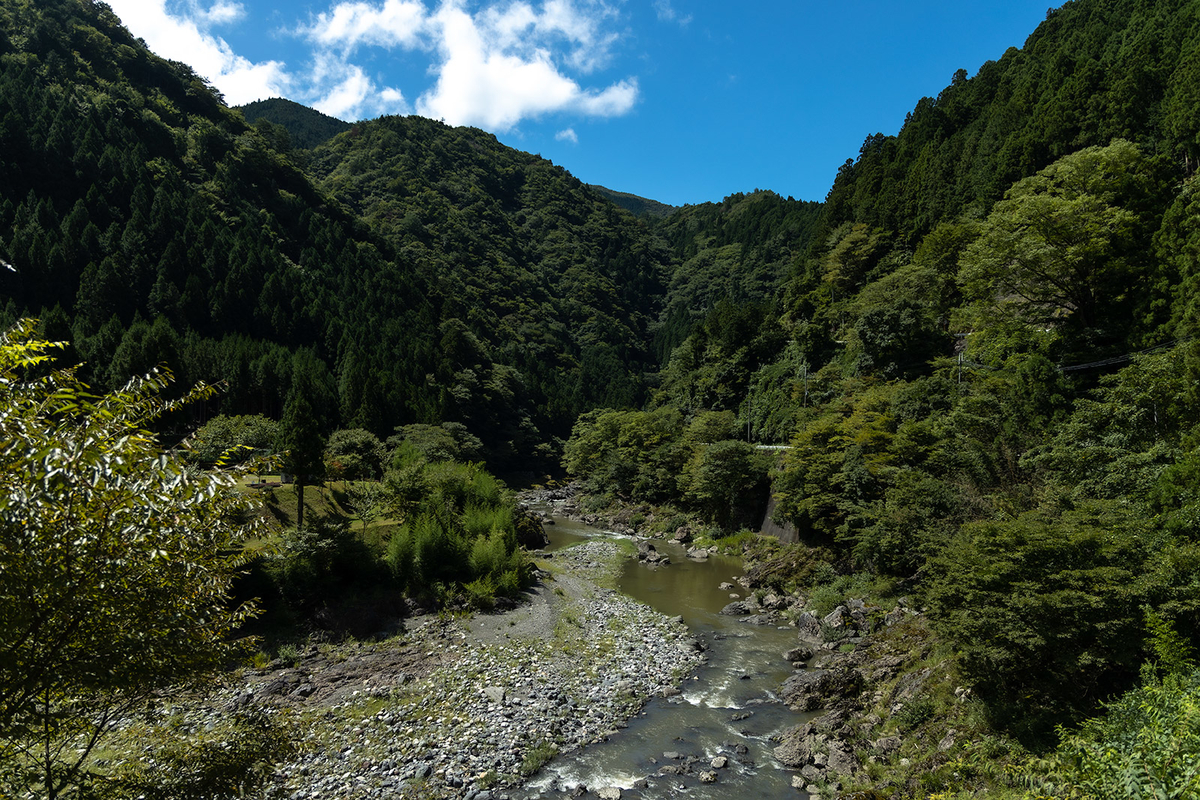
column 465, row 708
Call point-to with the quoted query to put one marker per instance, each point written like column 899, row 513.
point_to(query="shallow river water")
column 728, row 708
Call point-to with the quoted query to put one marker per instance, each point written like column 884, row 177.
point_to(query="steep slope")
column 148, row 223
column 546, row 277
column 1090, row 73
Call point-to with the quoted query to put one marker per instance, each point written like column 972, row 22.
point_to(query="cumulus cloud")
column 396, row 23
column 567, row 135
column 340, row 89
column 493, row 68
column 223, row 13
column 184, row 36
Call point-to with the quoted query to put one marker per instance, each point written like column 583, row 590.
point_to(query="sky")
column 675, row 100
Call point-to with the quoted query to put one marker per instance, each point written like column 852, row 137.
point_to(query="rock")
column 494, row 693
column 769, row 618
column 809, row 626
column 835, row 619
column 803, row 653
column 719, row 762
column 708, row 777
column 798, row 782
column 887, row 745
column 795, row 747
column 738, row 608
column 698, row 553
column 530, row 533
column 609, row 793
column 813, row 689
column 774, row 602
column 683, row 535
column 725, row 586
column 840, row 761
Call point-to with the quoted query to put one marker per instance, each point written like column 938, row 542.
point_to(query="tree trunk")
column 299, row 502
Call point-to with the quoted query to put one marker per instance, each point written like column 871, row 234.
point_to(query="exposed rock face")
column 858, row 683
column 811, row 690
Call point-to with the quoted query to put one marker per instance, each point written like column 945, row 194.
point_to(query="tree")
column 116, row 563
column 1064, row 244
column 353, row 454
column 720, row 474
column 302, row 446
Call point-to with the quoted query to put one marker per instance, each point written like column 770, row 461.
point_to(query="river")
column 728, row 708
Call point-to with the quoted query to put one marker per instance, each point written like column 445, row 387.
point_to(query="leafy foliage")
column 116, row 563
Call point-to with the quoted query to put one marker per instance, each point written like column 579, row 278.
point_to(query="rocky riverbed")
column 469, row 706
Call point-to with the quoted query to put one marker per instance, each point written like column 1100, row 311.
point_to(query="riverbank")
column 464, row 706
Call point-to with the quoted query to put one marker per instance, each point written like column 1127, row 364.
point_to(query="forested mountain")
column 638, row 206
column 403, row 272
column 306, row 127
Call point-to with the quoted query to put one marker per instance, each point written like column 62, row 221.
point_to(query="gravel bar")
column 486, row 714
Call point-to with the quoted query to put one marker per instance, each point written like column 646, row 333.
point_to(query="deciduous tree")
column 115, row 564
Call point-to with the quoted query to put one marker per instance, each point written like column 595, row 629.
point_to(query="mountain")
column 638, row 206
column 306, row 127
column 402, row 271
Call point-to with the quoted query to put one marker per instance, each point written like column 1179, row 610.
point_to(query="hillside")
column 982, row 362
column 638, row 206
column 306, row 127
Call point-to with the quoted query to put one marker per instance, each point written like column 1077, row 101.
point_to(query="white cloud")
column 223, row 13
column 667, row 13
column 494, row 67
column 567, row 135
column 397, row 23
column 181, row 38
column 344, row 90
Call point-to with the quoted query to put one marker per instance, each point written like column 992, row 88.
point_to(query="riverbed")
column 725, row 713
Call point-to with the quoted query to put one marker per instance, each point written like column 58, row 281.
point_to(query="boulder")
column 738, row 608
column 795, row 747
column 609, row 793
column 530, row 533
column 840, row 761
column 835, row 619
column 774, row 602
column 814, row 689
column 797, row 654
column 809, row 626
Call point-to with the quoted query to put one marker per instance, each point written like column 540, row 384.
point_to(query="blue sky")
column 679, row 101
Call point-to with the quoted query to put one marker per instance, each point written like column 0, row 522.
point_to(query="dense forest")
column 980, row 349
